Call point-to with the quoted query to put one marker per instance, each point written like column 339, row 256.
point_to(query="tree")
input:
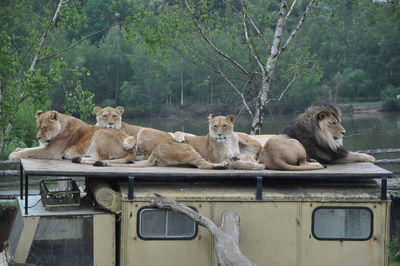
column 248, row 31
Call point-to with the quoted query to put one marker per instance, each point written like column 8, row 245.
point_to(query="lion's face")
column 331, row 128
column 48, row 126
column 109, row 117
column 220, row 127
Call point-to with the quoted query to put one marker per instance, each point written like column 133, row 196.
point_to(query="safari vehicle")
column 334, row 216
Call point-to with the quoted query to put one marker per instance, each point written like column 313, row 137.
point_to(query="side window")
column 158, row 224
column 342, row 223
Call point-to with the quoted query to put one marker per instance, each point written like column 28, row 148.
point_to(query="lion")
column 320, row 132
column 219, row 149
column 65, row 137
column 147, row 138
column 111, row 118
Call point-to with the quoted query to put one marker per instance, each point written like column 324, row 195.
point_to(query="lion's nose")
column 110, row 124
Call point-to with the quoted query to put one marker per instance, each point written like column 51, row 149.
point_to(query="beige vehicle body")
column 279, row 230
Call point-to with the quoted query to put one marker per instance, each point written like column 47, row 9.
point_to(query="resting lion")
column 66, row 137
column 111, row 118
column 212, row 151
column 320, row 132
column 147, row 138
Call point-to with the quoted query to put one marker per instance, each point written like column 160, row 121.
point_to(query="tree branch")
column 226, row 243
column 299, row 24
column 211, row 44
column 237, row 90
column 260, row 34
column 81, row 40
column 250, row 44
column 44, row 35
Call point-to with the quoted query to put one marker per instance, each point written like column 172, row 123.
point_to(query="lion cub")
column 66, row 137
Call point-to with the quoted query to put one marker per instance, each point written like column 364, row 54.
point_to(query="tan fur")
column 110, row 117
column 148, row 139
column 221, row 144
column 284, row 153
column 315, row 134
column 66, row 137
column 212, row 151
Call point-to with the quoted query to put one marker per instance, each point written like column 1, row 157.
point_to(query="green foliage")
column 391, row 98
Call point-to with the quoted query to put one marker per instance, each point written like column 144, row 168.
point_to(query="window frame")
column 342, row 239
column 138, row 227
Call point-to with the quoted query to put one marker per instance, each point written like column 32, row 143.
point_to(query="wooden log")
column 9, row 172
column 379, row 151
column 388, row 161
column 9, row 162
column 105, row 196
column 226, row 244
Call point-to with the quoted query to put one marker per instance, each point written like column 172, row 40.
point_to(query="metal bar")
column 21, row 181
column 383, row 188
column 26, row 193
column 131, row 183
column 259, row 188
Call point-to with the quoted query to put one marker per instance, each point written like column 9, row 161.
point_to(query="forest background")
column 173, row 57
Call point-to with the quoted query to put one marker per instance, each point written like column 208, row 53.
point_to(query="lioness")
column 211, row 151
column 109, row 117
column 320, row 132
column 147, row 138
column 66, row 137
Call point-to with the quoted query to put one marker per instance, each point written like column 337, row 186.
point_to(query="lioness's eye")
column 104, row 116
column 215, row 126
column 114, row 116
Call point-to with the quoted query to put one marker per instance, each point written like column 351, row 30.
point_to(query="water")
column 364, row 131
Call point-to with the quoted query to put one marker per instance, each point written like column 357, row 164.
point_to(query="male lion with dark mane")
column 319, row 132
column 66, row 137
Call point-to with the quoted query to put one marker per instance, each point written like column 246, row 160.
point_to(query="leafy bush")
column 390, row 98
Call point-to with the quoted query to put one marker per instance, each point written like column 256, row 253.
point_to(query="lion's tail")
column 305, row 166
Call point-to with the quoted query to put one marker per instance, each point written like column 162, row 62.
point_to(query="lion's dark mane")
column 305, row 128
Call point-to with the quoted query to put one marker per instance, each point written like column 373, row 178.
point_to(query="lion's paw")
column 179, row 136
column 369, row 158
column 14, row 155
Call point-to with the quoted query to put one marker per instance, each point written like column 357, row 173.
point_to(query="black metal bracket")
column 259, row 188
column 21, row 181
column 384, row 188
column 131, row 184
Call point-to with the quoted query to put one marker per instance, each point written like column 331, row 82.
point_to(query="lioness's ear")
column 39, row 113
column 97, row 110
column 54, row 115
column 120, row 110
column 231, row 117
column 321, row 115
column 210, row 117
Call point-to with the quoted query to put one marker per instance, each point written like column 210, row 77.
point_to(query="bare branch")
column 260, row 34
column 250, row 44
column 286, row 89
column 226, row 241
column 211, row 44
column 291, row 9
column 237, row 90
column 44, row 35
column 299, row 24
column 81, row 40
